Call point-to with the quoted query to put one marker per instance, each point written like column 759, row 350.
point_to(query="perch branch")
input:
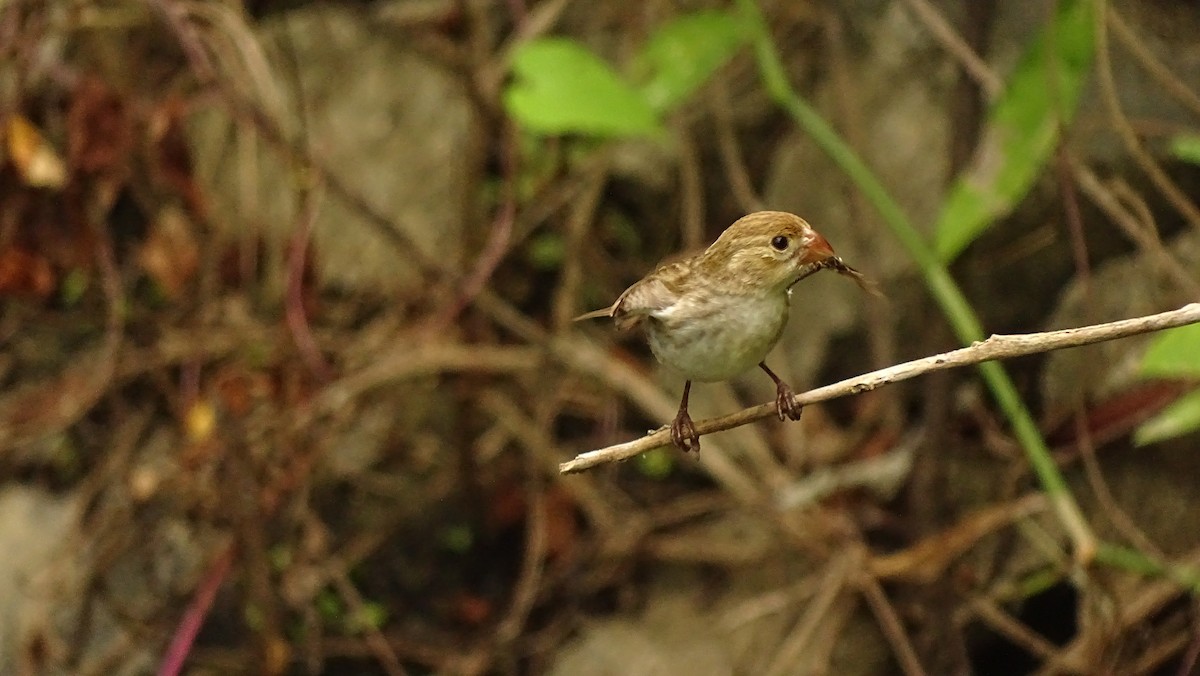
column 996, row 347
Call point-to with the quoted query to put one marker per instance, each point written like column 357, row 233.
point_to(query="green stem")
column 941, row 285
column 1187, row 576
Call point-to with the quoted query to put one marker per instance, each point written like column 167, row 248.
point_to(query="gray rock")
column 35, row 529
column 396, row 127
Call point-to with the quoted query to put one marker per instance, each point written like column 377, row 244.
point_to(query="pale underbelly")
column 722, row 344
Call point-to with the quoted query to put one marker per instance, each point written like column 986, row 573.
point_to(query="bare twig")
column 1193, row 651
column 44, row 409
column 1134, row 609
column 1142, row 234
column 890, row 624
column 1006, row 625
column 1133, row 145
column 1136, row 46
column 1119, row 518
column 579, row 223
column 928, row 559
column 741, row 186
column 383, row 652
column 594, row 503
column 832, row 584
column 525, row 590
column 953, row 43
column 996, row 347
column 294, row 312
column 1072, row 214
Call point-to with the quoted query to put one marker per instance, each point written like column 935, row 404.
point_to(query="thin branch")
column 1145, row 58
column 1174, row 195
column 741, row 186
column 1142, row 233
column 959, row 48
column 1011, row 628
column 831, row 585
column 996, row 347
column 891, row 626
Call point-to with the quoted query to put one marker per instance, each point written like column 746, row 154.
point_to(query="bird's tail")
column 594, row 314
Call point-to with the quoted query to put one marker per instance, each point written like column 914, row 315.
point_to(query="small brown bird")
column 716, row 314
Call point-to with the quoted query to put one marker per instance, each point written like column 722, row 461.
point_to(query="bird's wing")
column 653, row 294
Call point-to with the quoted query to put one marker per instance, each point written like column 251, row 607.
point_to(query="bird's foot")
column 785, row 402
column 683, row 433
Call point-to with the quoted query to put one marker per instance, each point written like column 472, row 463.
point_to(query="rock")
column 35, row 528
column 1120, row 288
column 391, row 124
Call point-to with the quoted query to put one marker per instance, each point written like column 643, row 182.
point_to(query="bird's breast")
column 712, row 338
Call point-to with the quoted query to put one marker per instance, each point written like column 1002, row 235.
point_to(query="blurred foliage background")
column 288, row 365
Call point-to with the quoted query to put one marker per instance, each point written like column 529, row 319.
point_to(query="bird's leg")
column 683, row 432
column 785, row 400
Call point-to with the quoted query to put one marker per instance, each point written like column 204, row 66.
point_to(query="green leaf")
column 1186, row 147
column 684, row 53
column 1174, row 353
column 561, row 88
column 1022, row 129
column 1178, row 419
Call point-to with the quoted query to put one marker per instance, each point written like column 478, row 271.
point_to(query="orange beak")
column 817, row 248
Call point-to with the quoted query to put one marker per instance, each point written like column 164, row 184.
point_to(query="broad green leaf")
column 561, row 88
column 1022, row 129
column 684, row 53
column 1174, row 353
column 1178, row 419
column 1186, row 147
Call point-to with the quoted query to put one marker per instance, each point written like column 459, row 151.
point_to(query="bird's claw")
column 785, row 403
column 683, row 433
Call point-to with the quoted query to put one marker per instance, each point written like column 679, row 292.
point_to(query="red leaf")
column 25, row 273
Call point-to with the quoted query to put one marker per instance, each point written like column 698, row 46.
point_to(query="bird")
column 717, row 314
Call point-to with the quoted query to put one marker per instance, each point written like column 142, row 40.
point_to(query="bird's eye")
column 780, row 243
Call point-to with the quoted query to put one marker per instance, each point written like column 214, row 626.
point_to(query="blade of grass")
column 941, row 285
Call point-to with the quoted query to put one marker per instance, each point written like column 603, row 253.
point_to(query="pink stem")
column 185, row 634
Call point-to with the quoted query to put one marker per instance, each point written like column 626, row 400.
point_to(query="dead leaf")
column 170, row 255
column 32, row 156
column 25, row 273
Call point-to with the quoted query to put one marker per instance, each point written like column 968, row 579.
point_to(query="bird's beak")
column 816, row 248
